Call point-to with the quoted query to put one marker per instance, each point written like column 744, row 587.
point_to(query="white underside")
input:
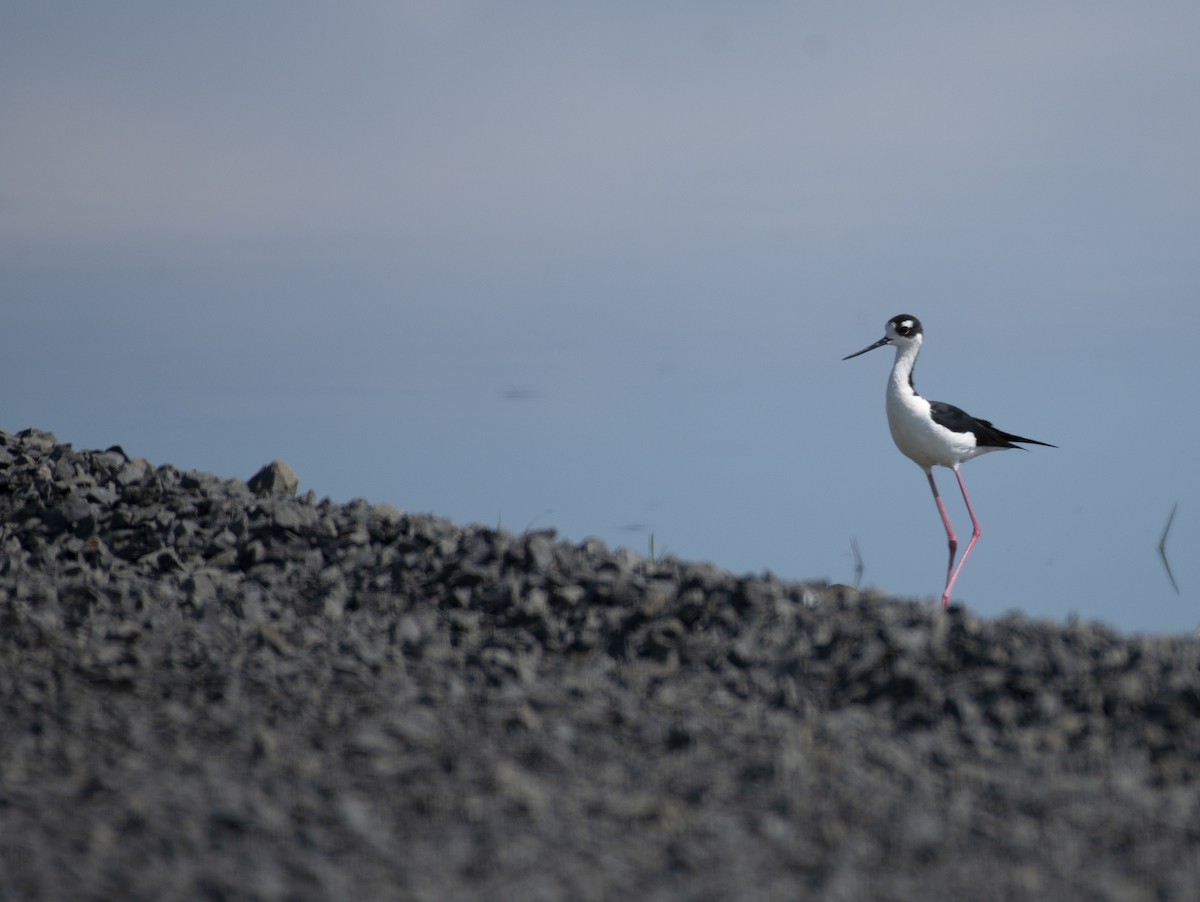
column 915, row 433
column 922, row 440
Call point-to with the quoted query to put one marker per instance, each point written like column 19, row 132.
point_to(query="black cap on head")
column 905, row 325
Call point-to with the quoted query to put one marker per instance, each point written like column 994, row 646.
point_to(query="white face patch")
column 905, row 326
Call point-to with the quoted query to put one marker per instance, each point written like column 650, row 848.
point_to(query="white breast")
column 919, row 438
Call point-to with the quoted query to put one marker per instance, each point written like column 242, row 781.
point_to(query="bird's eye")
column 905, row 327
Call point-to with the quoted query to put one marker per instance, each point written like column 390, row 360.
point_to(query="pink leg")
column 975, row 531
column 950, row 574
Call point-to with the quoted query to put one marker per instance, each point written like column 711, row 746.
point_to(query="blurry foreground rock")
column 209, row 691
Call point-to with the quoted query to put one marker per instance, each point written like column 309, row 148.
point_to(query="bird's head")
column 903, row 331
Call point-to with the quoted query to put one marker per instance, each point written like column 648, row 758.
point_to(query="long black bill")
column 879, row 344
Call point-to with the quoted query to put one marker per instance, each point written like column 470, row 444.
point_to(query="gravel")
column 217, row 689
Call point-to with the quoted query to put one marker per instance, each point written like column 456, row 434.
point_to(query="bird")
column 934, row 433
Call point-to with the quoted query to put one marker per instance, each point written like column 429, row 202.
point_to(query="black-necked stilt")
column 932, row 433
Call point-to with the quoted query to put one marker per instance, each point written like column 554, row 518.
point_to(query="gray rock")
column 276, row 478
column 214, row 689
column 133, row 471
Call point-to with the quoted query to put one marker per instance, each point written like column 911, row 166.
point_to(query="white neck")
column 901, row 379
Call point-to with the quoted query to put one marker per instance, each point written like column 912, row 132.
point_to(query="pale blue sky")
column 595, row 266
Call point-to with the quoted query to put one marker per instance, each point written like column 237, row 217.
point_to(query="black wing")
column 986, row 435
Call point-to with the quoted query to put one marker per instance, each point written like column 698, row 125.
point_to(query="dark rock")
column 215, row 689
column 276, row 478
column 539, row 547
column 134, row 471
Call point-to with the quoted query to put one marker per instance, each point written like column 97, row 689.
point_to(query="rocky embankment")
column 216, row 690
